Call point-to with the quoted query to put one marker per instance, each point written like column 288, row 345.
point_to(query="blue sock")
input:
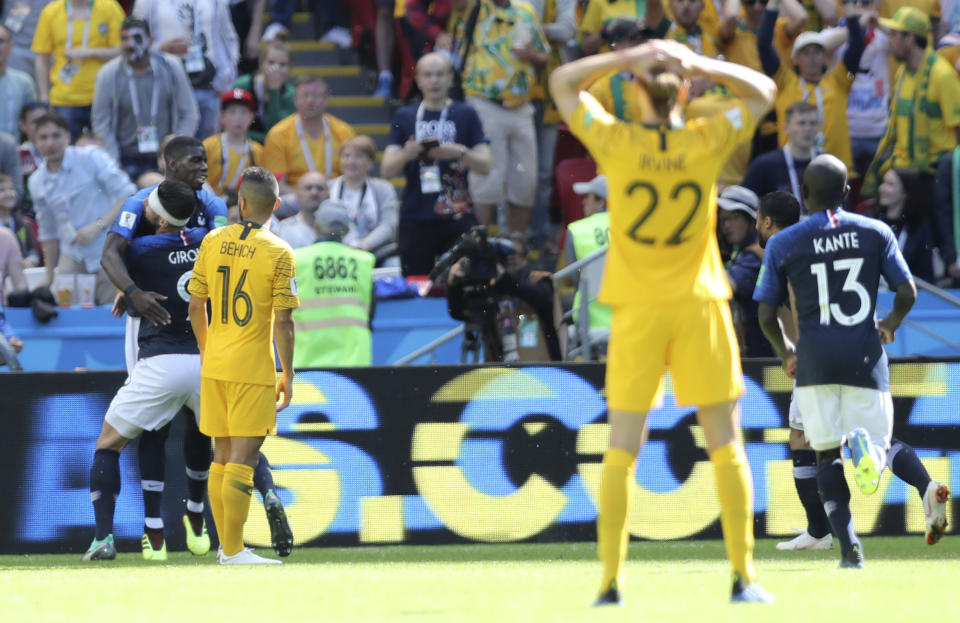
column 835, row 495
column 196, row 457
column 906, row 466
column 152, row 457
column 262, row 476
column 104, row 489
column 805, row 479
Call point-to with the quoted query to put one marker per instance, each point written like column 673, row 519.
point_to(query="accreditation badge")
column 194, row 61
column 430, row 179
column 68, row 72
column 147, row 142
column 17, row 16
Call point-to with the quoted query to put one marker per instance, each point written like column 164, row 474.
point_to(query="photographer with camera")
column 513, row 309
column 433, row 145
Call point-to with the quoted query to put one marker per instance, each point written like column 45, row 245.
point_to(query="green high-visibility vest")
column 332, row 323
column 588, row 235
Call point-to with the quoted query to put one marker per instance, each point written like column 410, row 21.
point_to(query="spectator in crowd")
column 298, row 229
column 10, row 161
column 201, row 33
column 21, row 18
column 809, row 80
column 740, row 45
column 783, row 169
column 527, row 303
column 74, row 38
column 30, row 159
column 11, row 220
column 247, row 18
column 371, row 202
column 16, row 87
column 586, row 236
column 11, row 264
column 385, row 42
column 687, row 26
column 617, row 92
column 333, row 322
column 230, row 152
column 869, row 98
column 433, row 145
column 559, row 25
column 140, row 97
column 509, row 47
column 904, row 202
column 425, row 25
column 307, row 140
column 738, row 222
column 595, row 33
column 275, row 96
column 77, row 193
column 920, row 133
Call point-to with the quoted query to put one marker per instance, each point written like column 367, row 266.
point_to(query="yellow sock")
column 214, row 486
column 735, row 490
column 612, row 516
column 236, row 490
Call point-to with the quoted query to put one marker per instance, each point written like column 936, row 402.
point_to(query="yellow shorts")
column 229, row 409
column 694, row 339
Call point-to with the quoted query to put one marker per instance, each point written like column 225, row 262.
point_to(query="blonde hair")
column 663, row 90
column 362, row 143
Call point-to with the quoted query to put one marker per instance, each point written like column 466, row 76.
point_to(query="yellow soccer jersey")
column 236, row 162
column 247, row 273
column 834, row 89
column 888, row 7
column 661, row 195
column 943, row 110
column 101, row 30
column 710, row 103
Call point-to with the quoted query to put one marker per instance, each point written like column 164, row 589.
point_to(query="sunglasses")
column 753, row 2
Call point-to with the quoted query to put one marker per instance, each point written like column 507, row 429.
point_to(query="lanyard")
column 154, row 97
column 327, row 149
column 224, row 156
column 86, row 26
column 818, row 93
column 363, row 193
column 443, row 117
column 794, row 180
column 261, row 104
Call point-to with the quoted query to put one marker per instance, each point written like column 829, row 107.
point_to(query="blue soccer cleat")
column 101, row 550
column 752, row 592
column 853, row 559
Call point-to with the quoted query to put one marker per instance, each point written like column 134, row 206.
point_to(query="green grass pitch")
column 904, row 580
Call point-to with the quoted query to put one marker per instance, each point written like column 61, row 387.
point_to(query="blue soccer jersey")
column 211, row 212
column 834, row 261
column 163, row 263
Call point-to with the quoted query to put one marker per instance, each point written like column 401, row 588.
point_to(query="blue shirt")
column 163, row 263
column 743, row 272
column 5, row 329
column 461, row 125
column 834, row 261
column 211, row 212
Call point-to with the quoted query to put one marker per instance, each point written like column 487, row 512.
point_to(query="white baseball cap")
column 597, row 186
column 738, row 198
column 808, row 38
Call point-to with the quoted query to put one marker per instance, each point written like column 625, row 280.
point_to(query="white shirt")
column 296, row 232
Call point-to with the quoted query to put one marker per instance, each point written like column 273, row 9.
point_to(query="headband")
column 154, row 202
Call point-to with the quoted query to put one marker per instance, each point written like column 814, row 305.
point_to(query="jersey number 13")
column 852, row 268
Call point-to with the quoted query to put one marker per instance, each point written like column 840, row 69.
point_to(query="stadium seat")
column 568, row 145
column 565, row 174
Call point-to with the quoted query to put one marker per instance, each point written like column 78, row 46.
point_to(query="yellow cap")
column 908, row 19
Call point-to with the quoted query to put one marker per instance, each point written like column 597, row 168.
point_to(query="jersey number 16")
column 227, row 302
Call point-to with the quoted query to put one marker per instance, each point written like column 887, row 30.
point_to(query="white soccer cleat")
column 935, row 508
column 247, row 557
column 804, row 541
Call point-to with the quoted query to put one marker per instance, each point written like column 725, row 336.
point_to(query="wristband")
column 129, row 289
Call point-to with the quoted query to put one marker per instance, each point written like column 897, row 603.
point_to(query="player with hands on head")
column 662, row 187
